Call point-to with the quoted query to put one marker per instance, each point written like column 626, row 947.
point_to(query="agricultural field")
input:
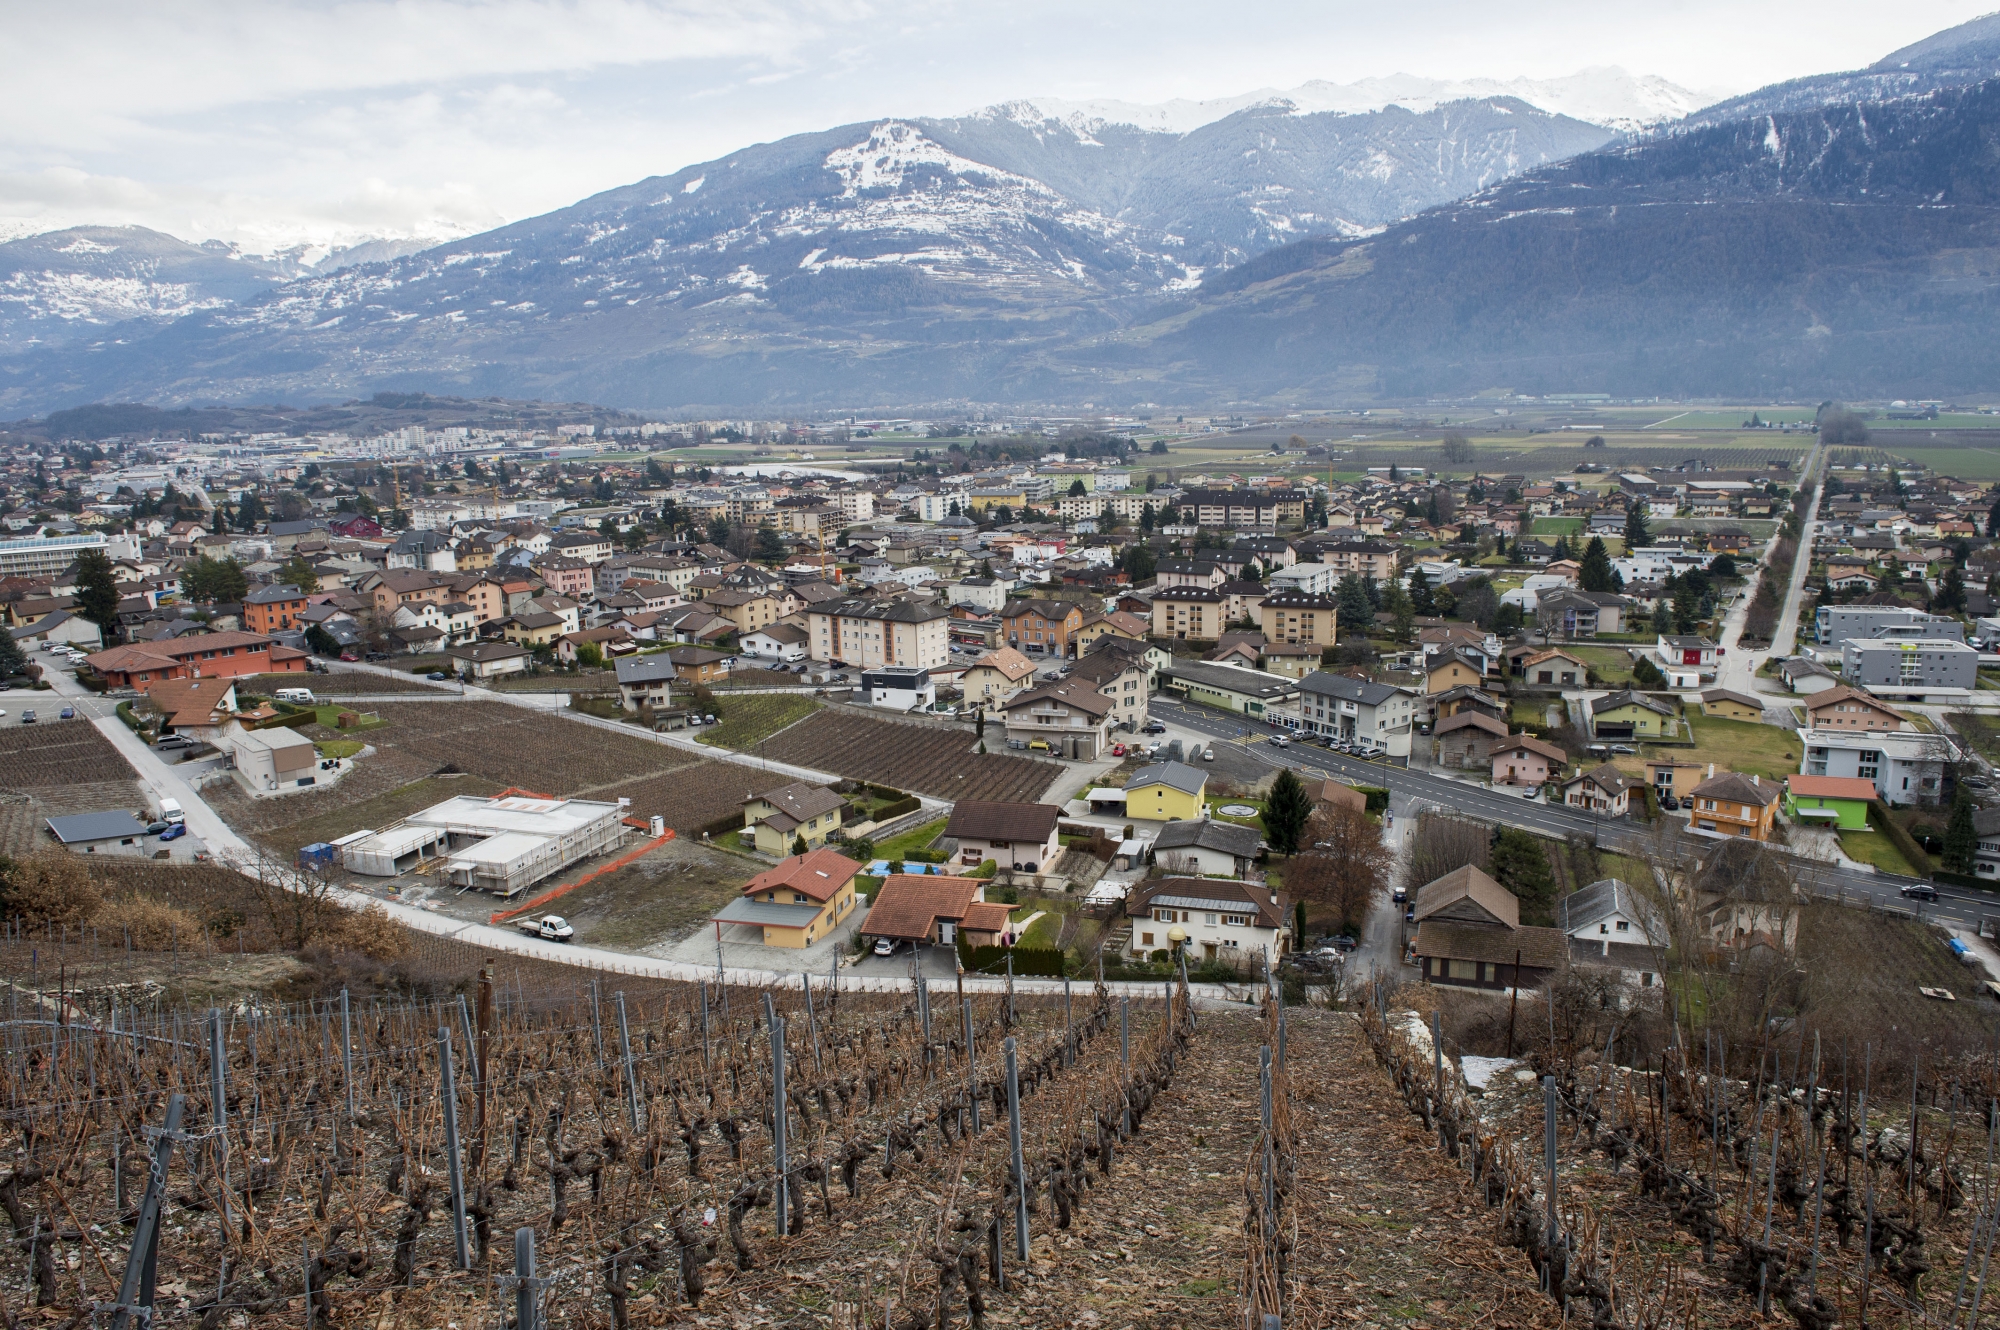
column 748, row 721
column 693, row 795
column 515, row 746
column 65, row 752
column 1964, row 463
column 911, row 755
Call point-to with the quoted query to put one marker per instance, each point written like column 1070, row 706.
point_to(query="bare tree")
column 1346, row 868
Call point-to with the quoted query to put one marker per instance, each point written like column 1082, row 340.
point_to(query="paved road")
column 1619, row 835
column 1738, row 668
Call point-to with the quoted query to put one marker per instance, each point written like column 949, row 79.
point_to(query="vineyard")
column 930, row 759
column 71, row 752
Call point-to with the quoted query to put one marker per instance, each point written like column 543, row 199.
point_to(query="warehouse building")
column 503, row 845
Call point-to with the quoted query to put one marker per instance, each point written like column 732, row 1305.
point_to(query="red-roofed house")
column 797, row 902
column 198, row 656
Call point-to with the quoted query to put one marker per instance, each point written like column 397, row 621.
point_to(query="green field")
column 1872, row 847
column 1964, row 463
column 1557, row 526
column 1733, row 745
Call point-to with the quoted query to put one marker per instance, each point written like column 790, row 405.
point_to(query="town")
column 1658, row 733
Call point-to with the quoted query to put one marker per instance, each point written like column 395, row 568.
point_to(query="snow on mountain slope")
column 1605, row 95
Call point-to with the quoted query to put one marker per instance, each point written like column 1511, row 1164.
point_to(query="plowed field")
column 929, row 759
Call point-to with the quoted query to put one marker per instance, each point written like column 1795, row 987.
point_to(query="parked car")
column 437, row 676
column 175, row 741
column 1670, row 804
column 550, row 927
column 1280, row 741
column 67, row 713
column 349, row 657
column 156, row 828
column 1532, row 792
column 1018, row 745
column 27, row 718
column 174, row 832
column 373, row 655
column 885, row 946
column 1155, row 727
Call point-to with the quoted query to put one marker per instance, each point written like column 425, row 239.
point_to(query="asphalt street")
column 1620, row 835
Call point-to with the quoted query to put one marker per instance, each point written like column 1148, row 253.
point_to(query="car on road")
column 1920, row 891
column 373, row 655
column 550, row 927
column 67, row 713
column 27, row 717
column 1400, row 895
column 1117, row 750
column 175, row 741
column 1532, row 792
column 174, row 832
column 349, row 657
column 1280, row 741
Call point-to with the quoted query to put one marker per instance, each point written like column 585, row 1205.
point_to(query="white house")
column 897, row 687
column 1907, row 766
column 1214, row 920
column 780, row 641
column 1609, row 924
column 1013, row 835
column 1203, row 848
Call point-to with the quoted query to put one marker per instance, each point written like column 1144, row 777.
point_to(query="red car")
column 1117, row 750
column 349, row 656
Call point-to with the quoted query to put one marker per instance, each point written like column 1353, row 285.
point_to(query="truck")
column 170, row 811
column 550, row 927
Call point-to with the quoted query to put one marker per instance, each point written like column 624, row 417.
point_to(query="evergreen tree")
column 209, row 580
column 321, row 641
column 1431, row 514
column 1286, row 811
column 297, row 572
column 1139, row 562
column 97, row 589
column 1422, row 600
column 12, row 659
column 798, row 845
column 1356, row 610
column 1663, row 616
column 1520, row 864
column 1597, row 574
column 1636, row 534
column 1562, row 550
column 1950, row 597
column 1397, row 602
column 1993, row 522
column 1961, row 841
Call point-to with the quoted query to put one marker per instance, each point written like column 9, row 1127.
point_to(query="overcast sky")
column 273, row 121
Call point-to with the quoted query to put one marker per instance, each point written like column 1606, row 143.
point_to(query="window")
column 1624, row 927
column 1462, row 970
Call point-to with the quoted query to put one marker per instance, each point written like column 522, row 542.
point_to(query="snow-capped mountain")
column 1604, row 95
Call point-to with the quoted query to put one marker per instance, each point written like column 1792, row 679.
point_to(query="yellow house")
column 781, row 816
column 1630, row 715
column 534, row 629
column 1118, row 623
column 1451, row 672
column 1168, row 792
column 996, row 676
column 1731, row 706
column 796, row 903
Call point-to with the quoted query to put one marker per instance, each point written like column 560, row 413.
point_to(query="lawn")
column 1625, row 868
column 1872, row 847
column 1256, row 821
column 1557, row 526
column 748, row 721
column 899, row 847
column 1733, row 745
column 1613, row 664
column 340, row 747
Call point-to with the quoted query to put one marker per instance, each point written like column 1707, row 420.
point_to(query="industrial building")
column 504, row 844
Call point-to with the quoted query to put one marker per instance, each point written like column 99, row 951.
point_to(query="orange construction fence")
column 612, row 867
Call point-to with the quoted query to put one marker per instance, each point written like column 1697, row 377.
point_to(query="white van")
column 170, row 811
column 301, row 696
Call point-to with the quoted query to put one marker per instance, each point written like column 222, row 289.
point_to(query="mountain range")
column 1828, row 236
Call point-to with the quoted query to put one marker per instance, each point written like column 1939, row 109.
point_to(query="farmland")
column 930, row 759
column 692, row 796
column 515, row 746
column 58, row 753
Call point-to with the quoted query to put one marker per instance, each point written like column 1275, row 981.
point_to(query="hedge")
column 1377, row 796
column 907, row 804
column 1946, row 878
column 131, row 721
column 1898, row 835
column 1046, row 961
column 987, row 868
column 926, row 856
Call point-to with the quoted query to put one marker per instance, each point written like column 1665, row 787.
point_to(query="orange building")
column 1041, row 627
column 271, row 609
column 196, row 656
column 1733, row 804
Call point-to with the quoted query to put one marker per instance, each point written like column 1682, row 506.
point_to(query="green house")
column 1629, row 715
column 1829, row 801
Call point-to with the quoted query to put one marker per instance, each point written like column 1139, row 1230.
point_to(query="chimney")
column 1711, row 771
column 1755, row 781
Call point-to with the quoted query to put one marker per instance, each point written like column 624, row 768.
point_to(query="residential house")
column 1041, row 627
column 1907, row 767
column 1581, row 613
column 1013, row 835
column 1986, row 825
column 611, row 641
column 746, row 610
column 272, row 761
column 1610, row 925
column 1912, row 669
column 995, row 677
column 1554, row 668
column 1357, row 711
column 1332, row 794
column 489, row 660
column 1728, row 705
column 1733, row 804
column 1470, row 935
column 1066, row 717
column 532, row 629
column 1121, row 676
column 565, row 576
column 1167, row 792
column 698, row 665
column 1626, row 715
column 1829, row 801
column 1467, row 741
column 1449, row 703
column 1213, row 920
column 1443, row 673
column 59, row 626
column 1115, row 623
column 1846, row 708
column 931, row 908
column 199, row 708
column 1294, row 660
column 1525, row 760
column 387, row 590
column 1673, row 777
column 646, row 681
column 195, row 656
column 273, row 609
column 1685, row 658
column 1604, row 790
column 778, row 818
column 1204, row 848
column 799, row 901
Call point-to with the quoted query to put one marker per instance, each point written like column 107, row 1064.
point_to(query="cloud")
column 285, row 121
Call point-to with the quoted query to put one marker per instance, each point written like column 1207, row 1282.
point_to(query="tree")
column 211, row 581
column 799, row 844
column 1597, row 574
column 1993, row 522
column 1594, row 441
column 1636, row 534
column 12, row 659
column 1396, row 601
column 590, row 655
column 1950, row 597
column 321, row 641
column 96, row 589
column 1076, row 490
column 1478, row 602
column 50, row 888
column 1663, row 616
column 1441, row 843
column 1646, row 674
column 1346, row 868
column 1286, row 810
column 1356, row 610
column 1722, row 565
column 1456, row 447
column 1961, row 840
column 297, row 572
column 1159, row 448
column 769, row 547
column 1562, row 549
column 1838, row 425
column 1422, row 600
column 1139, row 563
column 1520, row 864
